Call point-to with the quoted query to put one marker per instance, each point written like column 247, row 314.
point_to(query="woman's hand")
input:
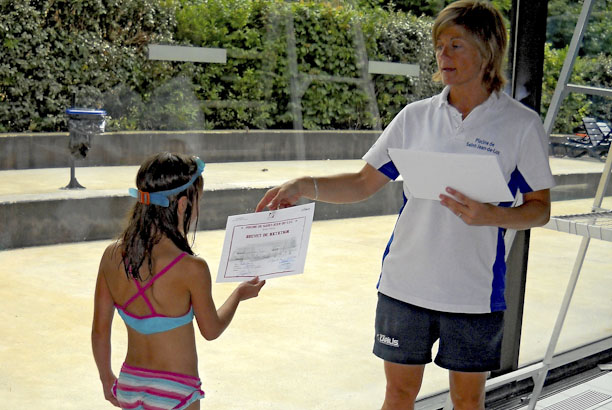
column 534, row 211
column 282, row 196
column 470, row 211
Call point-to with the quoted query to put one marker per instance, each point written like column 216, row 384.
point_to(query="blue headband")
column 161, row 197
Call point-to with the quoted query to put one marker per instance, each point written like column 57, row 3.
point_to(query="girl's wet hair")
column 148, row 224
column 486, row 26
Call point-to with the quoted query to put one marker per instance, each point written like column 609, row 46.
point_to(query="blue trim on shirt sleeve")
column 518, row 183
column 390, row 170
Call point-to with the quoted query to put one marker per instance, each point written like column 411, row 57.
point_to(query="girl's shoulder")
column 114, row 250
column 194, row 272
column 194, row 265
column 112, row 255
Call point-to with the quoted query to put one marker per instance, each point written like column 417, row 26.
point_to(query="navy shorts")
column 406, row 333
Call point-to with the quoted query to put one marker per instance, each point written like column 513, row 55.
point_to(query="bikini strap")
column 163, row 271
column 142, row 289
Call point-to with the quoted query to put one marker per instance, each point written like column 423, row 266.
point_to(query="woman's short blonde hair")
column 486, row 26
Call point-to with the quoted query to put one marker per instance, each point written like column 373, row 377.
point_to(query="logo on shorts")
column 386, row 340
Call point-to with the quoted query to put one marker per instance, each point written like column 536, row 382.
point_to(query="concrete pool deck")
column 304, row 344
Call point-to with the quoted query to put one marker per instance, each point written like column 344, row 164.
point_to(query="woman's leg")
column 403, row 385
column 467, row 390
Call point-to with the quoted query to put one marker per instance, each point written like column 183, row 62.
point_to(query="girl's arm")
column 212, row 321
column 104, row 310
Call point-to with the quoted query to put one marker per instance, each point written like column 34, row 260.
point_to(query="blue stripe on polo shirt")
column 517, row 183
column 498, row 286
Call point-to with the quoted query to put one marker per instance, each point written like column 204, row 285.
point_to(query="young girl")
column 157, row 285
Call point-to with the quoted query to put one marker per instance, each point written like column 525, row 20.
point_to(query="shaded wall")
column 50, row 150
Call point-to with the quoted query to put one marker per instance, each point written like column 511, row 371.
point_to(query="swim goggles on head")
column 161, row 197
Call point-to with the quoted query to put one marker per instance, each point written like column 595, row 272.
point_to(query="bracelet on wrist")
column 316, row 188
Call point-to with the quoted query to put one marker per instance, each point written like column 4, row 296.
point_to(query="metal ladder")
column 561, row 91
column 563, row 87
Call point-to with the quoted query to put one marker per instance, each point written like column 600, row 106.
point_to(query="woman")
column 151, row 276
column 443, row 269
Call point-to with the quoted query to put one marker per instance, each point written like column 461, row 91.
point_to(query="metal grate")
column 596, row 225
column 580, row 401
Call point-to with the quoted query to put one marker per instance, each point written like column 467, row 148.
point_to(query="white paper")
column 266, row 244
column 428, row 174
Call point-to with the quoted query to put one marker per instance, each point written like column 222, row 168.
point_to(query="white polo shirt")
column 433, row 259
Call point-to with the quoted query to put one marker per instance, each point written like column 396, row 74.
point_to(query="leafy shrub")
column 562, row 17
column 246, row 91
column 403, row 38
column 590, row 71
column 325, row 45
column 94, row 52
column 425, row 8
column 54, row 52
column 253, row 88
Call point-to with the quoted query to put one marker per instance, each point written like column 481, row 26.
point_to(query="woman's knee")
column 467, row 401
column 467, row 390
column 402, row 392
column 403, row 382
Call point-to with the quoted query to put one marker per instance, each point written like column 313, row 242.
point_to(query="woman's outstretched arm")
column 338, row 189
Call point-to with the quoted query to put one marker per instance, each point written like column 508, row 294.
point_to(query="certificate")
column 266, row 244
column 427, row 174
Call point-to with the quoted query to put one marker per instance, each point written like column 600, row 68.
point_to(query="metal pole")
column 528, row 35
column 568, row 65
column 73, row 184
column 550, row 351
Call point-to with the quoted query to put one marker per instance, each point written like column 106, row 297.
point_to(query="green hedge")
column 404, row 39
column 253, row 88
column 56, row 51
column 95, row 51
column 250, row 90
column 591, row 71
